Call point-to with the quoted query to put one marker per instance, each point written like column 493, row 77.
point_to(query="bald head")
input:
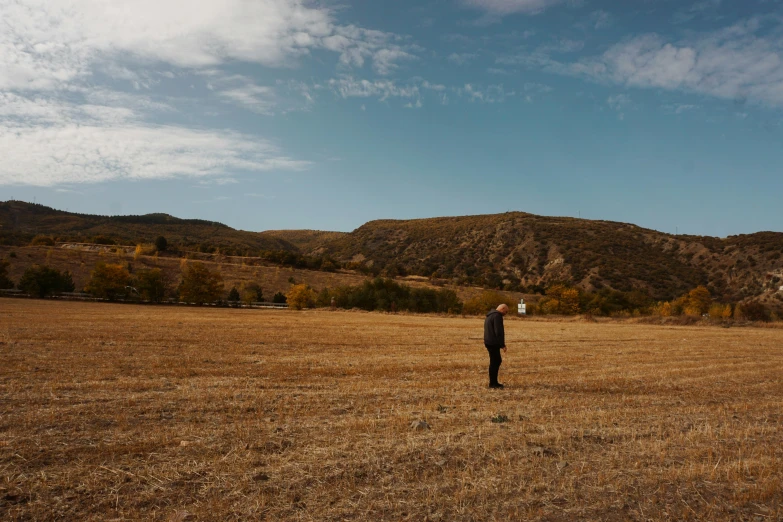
column 503, row 309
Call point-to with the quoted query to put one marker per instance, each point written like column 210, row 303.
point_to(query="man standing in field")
column 495, row 340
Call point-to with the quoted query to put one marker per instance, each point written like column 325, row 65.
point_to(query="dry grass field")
column 122, row 412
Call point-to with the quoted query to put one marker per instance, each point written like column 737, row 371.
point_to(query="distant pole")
column 580, row 214
column 677, row 230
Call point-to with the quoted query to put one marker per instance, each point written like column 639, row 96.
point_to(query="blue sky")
column 268, row 114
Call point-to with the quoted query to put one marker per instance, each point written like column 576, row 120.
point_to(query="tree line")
column 200, row 284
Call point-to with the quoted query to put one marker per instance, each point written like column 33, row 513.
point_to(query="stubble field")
column 122, row 412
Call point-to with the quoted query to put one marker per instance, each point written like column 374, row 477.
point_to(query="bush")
column 718, row 311
column 300, row 296
column 279, row 298
column 5, row 281
column 233, row 295
column 200, row 285
column 753, row 311
column 42, row 241
column 109, row 281
column 488, row 300
column 388, row 295
column 152, row 284
column 103, row 240
column 251, row 293
column 42, row 281
column 161, row 244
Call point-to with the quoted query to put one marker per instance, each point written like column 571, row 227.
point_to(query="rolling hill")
column 514, row 251
column 307, row 241
column 20, row 222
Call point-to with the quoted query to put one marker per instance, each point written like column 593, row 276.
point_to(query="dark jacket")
column 494, row 335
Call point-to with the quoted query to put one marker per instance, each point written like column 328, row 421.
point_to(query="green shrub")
column 152, row 284
column 42, row 281
column 161, row 244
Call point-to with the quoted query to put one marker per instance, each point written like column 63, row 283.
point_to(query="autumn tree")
column 252, row 292
column 109, row 281
column 486, row 301
column 560, row 299
column 5, row 281
column 161, row 244
column 200, row 284
column 41, row 281
column 699, row 300
column 300, row 296
column 152, row 284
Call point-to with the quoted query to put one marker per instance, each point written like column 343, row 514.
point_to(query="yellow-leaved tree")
column 200, row 284
column 699, row 301
column 300, row 296
column 109, row 281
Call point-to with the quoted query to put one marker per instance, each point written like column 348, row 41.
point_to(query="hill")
column 517, row 250
column 20, row 222
column 514, row 251
column 307, row 241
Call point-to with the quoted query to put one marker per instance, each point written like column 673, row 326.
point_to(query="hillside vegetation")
column 21, row 222
column 514, row 251
column 307, row 241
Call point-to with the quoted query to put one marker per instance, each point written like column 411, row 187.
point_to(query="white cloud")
column 505, row 7
column 49, row 45
column 696, row 10
column 601, row 19
column 490, row 94
column 259, row 99
column 680, row 108
column 88, row 154
column 49, row 142
column 349, row 87
column 743, row 62
column 461, row 58
column 385, row 60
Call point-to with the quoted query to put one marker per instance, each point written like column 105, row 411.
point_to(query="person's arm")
column 497, row 326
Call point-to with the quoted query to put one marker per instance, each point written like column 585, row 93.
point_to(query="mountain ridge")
column 515, row 251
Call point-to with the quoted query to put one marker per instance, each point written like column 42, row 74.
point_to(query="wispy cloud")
column 695, row 10
column 743, row 62
column 349, row 87
column 619, row 103
column 257, row 98
column 49, row 142
column 48, row 45
column 680, row 108
column 506, row 7
column 495, row 93
column 461, row 58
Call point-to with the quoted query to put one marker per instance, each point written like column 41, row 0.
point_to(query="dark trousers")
column 495, row 360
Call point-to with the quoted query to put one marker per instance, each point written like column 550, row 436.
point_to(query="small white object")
column 522, row 307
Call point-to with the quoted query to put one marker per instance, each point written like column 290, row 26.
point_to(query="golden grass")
column 122, row 412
